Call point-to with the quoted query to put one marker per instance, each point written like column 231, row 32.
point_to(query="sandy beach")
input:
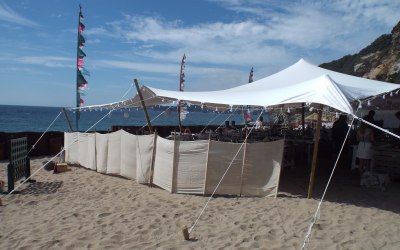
column 82, row 209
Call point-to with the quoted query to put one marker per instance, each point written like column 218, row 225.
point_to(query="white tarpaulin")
column 101, row 152
column 259, row 178
column 128, row 155
column 144, row 156
column 114, row 153
column 220, row 157
column 191, row 163
column 164, row 163
column 302, row 82
column 87, row 147
column 71, row 147
column 192, row 167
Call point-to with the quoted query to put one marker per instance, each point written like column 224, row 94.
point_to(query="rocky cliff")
column 379, row 61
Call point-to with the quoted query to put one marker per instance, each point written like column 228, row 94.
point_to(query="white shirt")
column 258, row 124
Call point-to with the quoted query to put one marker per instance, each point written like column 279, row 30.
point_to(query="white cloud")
column 10, row 16
column 25, row 70
column 268, row 35
column 141, row 67
column 269, row 31
column 48, row 61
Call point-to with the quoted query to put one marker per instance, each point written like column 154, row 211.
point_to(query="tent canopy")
column 302, row 82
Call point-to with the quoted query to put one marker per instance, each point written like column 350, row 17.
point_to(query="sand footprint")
column 102, row 215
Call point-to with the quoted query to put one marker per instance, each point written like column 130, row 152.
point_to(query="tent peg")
column 185, row 232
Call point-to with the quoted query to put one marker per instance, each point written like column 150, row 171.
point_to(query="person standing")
column 370, row 117
column 339, row 131
column 259, row 123
column 365, row 137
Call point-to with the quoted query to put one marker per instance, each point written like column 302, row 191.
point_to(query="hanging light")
column 369, row 103
column 337, row 115
column 288, row 110
column 391, row 94
column 216, row 109
column 383, row 97
column 230, row 108
column 359, row 104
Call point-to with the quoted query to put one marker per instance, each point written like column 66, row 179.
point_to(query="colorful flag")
column 182, row 104
column 182, row 74
column 248, row 116
column 251, row 75
column 81, row 27
column 81, row 54
column 81, row 83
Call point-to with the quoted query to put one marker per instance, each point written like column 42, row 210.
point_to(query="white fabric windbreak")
column 191, row 161
column 128, row 155
column 92, row 164
column 262, row 168
column 101, row 152
column 71, row 147
column 83, row 149
column 114, row 153
column 163, row 163
column 144, row 155
column 86, row 146
column 191, row 167
column 220, row 156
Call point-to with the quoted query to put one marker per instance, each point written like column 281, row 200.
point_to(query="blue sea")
column 39, row 119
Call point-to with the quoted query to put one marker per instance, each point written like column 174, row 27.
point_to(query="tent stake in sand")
column 185, row 232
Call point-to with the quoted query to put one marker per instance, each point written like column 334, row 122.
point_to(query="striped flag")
column 251, row 75
column 248, row 116
column 182, row 104
column 81, row 72
column 81, row 83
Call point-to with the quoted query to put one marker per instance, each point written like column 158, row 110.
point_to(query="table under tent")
column 205, row 166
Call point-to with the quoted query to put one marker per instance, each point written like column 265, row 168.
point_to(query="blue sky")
column 146, row 39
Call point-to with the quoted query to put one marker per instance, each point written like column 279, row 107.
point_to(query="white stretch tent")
column 302, row 82
column 191, row 167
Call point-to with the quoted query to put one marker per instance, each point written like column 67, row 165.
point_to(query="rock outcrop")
column 378, row 61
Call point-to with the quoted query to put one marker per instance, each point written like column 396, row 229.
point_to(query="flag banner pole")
column 181, row 105
column 81, row 83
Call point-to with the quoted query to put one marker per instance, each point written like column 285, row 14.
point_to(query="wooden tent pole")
column 153, row 160
column 143, row 106
column 280, row 167
column 208, row 156
column 174, row 168
column 243, row 162
column 315, row 153
column 179, row 118
column 303, row 123
column 68, row 121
